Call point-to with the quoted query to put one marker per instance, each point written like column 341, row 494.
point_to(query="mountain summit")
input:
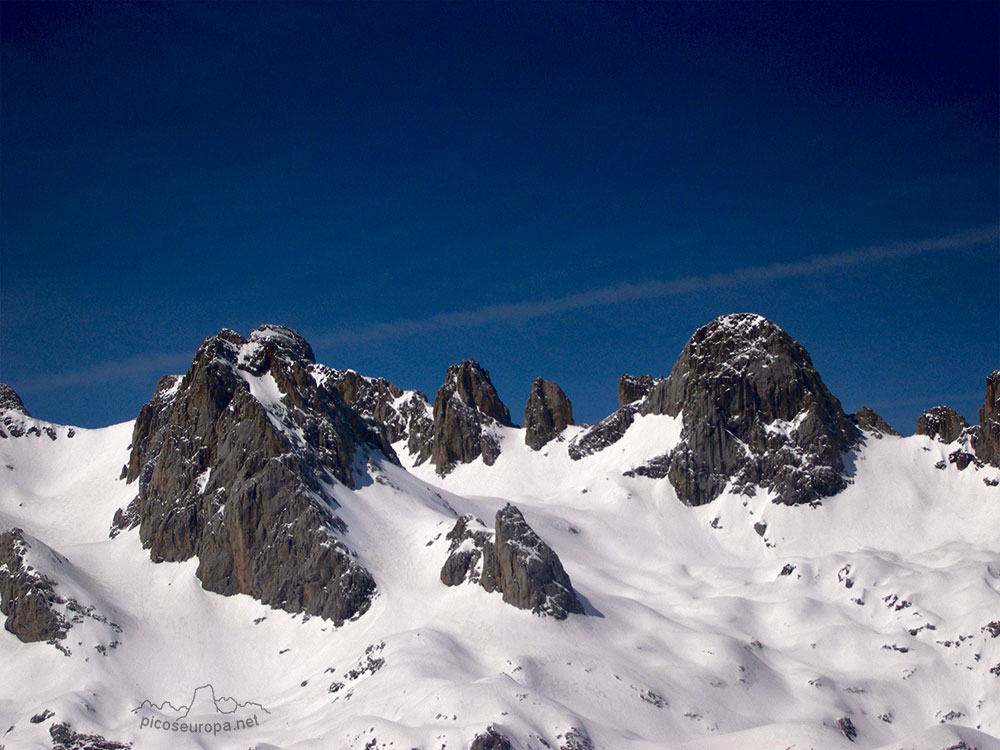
column 684, row 573
column 233, row 464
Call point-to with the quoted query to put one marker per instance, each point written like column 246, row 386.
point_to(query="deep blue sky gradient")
column 170, row 169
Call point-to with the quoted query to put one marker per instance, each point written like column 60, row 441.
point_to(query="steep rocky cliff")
column 547, row 413
column 232, row 463
column 467, row 410
column 755, row 414
column 986, row 442
column 941, row 423
column 399, row 414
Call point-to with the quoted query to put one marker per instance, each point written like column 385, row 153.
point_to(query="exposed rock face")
column 941, row 423
column 867, row 420
column 231, row 463
column 16, row 422
column 986, row 441
column 466, row 409
column 64, row 738
column 10, row 401
column 28, row 598
column 491, row 739
column 514, row 561
column 547, row 413
column 632, row 388
column 755, row 412
column 608, row 431
column 632, row 394
column 401, row 415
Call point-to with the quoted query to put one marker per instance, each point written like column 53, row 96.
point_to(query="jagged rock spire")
column 467, row 410
column 547, row 413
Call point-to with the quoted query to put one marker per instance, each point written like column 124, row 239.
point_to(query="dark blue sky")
column 556, row 189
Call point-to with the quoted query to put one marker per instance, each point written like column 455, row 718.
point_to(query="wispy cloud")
column 154, row 363
column 141, row 365
column 648, row 290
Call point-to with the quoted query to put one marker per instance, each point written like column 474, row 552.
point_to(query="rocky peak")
column 756, row 413
column 868, row 420
column 941, row 423
column 268, row 343
column 27, row 597
column 986, row 441
column 233, row 463
column 547, row 413
column 16, row 422
column 467, row 411
column 10, row 401
column 472, row 385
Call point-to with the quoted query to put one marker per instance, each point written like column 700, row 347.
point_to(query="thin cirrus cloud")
column 143, row 364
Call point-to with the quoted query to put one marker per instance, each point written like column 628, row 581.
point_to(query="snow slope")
column 694, row 637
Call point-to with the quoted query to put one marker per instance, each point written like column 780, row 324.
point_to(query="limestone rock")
column 599, row 436
column 986, row 441
column 515, row 561
column 547, row 413
column 466, row 411
column 866, row 419
column 399, row 414
column 632, row 388
column 27, row 597
column 15, row 421
column 755, row 413
column 941, row 423
column 10, row 401
column 491, row 739
column 231, row 462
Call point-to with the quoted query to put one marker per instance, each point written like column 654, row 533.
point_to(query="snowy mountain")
column 279, row 554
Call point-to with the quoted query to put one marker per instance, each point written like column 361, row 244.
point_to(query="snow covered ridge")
column 306, row 539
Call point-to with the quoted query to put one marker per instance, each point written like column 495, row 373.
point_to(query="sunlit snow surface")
column 694, row 638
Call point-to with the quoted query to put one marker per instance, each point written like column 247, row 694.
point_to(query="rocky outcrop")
column 755, row 413
column 467, row 410
column 986, row 440
column 399, row 414
column 547, row 413
column 599, row 436
column 866, row 419
column 491, row 739
column 632, row 393
column 632, row 388
column 10, row 401
column 15, row 421
column 64, row 738
column 513, row 560
column 941, row 423
column 27, row 597
column 233, row 462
